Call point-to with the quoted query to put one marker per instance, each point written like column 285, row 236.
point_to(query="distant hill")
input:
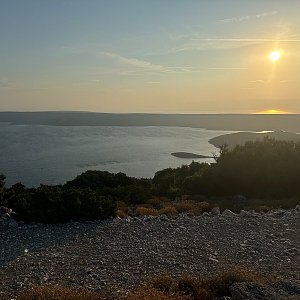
column 240, row 138
column 234, row 122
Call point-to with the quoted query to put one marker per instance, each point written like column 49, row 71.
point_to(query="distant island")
column 189, row 155
column 230, row 122
column 240, row 138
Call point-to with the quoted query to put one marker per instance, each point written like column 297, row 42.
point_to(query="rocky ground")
column 118, row 254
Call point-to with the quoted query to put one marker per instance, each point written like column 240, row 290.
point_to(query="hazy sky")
column 149, row 56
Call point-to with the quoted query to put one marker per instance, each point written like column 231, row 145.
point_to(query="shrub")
column 173, row 182
column 97, row 180
column 163, row 282
column 200, row 288
column 121, row 213
column 52, row 204
column 168, row 210
column 192, row 207
column 262, row 169
column 157, row 202
column 144, row 211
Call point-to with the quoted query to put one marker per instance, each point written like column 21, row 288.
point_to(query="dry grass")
column 195, row 288
column 157, row 202
column 145, row 211
column 122, row 209
column 58, row 293
column 168, row 210
column 121, row 214
column 163, row 206
column 192, row 207
column 162, row 287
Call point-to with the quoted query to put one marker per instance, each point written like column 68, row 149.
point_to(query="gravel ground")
column 119, row 254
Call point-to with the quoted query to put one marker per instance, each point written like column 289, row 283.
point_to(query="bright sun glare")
column 274, row 56
column 272, row 112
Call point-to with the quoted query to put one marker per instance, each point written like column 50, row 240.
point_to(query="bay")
column 40, row 154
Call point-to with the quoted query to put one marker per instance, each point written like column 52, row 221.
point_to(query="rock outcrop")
column 7, row 217
column 282, row 290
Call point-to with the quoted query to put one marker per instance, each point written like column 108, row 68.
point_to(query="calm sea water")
column 35, row 154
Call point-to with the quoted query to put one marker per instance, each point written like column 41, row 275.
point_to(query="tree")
column 267, row 168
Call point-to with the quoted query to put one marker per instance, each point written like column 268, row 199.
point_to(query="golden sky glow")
column 275, row 55
column 166, row 56
column 272, row 112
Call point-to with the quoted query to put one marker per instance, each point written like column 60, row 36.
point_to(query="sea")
column 40, row 154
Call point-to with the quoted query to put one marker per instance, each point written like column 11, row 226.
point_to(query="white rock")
column 228, row 213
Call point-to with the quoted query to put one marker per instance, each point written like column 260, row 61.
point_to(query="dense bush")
column 262, row 169
column 117, row 185
column 97, row 180
column 90, row 196
column 265, row 169
column 183, row 180
column 52, row 204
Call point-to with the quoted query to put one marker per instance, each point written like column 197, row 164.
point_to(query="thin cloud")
column 248, row 18
column 204, row 44
column 149, row 67
column 135, row 62
column 257, row 81
column 241, row 40
column 226, row 68
column 211, row 44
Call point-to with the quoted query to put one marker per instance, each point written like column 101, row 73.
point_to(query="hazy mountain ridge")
column 235, row 122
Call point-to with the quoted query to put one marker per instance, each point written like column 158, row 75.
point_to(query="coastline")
column 240, row 138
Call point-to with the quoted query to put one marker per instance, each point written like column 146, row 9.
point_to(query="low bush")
column 144, row 211
column 192, row 207
column 168, row 210
column 158, row 202
column 52, row 204
column 201, row 288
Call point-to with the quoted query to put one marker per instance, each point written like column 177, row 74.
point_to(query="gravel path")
column 119, row 254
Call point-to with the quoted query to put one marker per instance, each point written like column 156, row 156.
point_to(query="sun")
column 273, row 112
column 275, row 56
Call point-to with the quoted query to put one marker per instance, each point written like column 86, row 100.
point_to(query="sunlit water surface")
column 35, row 154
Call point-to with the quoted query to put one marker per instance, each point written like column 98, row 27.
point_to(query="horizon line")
column 264, row 112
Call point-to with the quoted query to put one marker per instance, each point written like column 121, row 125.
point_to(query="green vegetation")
column 119, row 185
column 264, row 169
column 264, row 172
column 54, row 204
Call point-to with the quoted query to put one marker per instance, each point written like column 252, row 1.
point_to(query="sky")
column 164, row 56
